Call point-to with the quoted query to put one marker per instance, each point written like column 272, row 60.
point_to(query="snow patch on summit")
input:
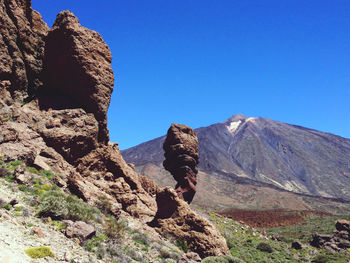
column 232, row 127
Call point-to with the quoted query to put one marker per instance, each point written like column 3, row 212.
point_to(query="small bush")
column 59, row 205
column 114, row 229
column 134, row 254
column 222, row 259
column 15, row 163
column 95, row 243
column 18, row 208
column 103, row 204
column 4, row 172
column 10, row 178
column 26, row 212
column 182, row 244
column 164, row 252
column 22, row 187
column 39, row 252
column 2, row 202
column 50, row 175
column 141, row 238
column 264, row 247
column 7, row 207
column 33, row 170
column 230, row 243
column 320, row 259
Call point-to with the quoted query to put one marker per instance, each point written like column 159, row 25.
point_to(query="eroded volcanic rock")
column 66, row 74
column 174, row 216
column 181, row 159
column 22, row 34
column 78, row 67
column 340, row 240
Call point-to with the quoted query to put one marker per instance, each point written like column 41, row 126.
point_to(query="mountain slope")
column 264, row 153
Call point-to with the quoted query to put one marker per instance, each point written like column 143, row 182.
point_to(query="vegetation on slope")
column 252, row 245
column 116, row 240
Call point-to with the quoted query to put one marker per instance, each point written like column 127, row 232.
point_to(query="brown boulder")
column 21, row 175
column 37, row 231
column 78, row 67
column 175, row 217
column 79, row 229
column 342, row 224
column 181, row 159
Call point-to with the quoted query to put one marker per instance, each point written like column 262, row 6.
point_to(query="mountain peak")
column 236, row 117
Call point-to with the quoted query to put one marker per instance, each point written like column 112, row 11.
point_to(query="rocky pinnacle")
column 181, row 159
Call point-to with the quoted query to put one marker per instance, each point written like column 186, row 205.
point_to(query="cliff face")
column 22, row 47
column 55, row 89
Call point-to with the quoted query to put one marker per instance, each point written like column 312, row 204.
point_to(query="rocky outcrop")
column 340, row 240
column 22, row 43
column 175, row 217
column 105, row 170
column 181, row 159
column 66, row 74
column 78, row 67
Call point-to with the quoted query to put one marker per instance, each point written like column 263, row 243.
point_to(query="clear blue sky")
column 198, row 62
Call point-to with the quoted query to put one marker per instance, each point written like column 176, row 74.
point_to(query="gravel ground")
column 16, row 235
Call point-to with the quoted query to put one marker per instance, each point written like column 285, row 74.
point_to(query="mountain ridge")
column 261, row 151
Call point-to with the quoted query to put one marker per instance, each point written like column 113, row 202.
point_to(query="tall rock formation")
column 181, row 159
column 55, row 89
column 22, row 34
column 78, row 69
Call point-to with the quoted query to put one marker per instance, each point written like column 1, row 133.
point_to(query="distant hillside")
column 259, row 153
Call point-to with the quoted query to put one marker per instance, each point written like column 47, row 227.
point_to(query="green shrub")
column 222, row 259
column 230, row 243
column 4, row 172
column 320, row 259
column 141, row 238
column 22, row 187
column 264, row 247
column 114, row 229
column 182, row 244
column 18, row 208
column 39, row 252
column 10, row 178
column 59, row 205
column 48, row 174
column 95, row 243
column 15, row 163
column 7, row 206
column 37, row 181
column 103, row 204
column 32, row 170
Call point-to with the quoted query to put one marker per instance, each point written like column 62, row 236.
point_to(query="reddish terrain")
column 270, row 218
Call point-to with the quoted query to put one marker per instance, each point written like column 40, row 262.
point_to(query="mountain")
column 259, row 155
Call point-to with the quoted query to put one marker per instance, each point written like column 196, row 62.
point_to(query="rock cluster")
column 55, row 89
column 340, row 240
column 181, row 159
column 175, row 217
